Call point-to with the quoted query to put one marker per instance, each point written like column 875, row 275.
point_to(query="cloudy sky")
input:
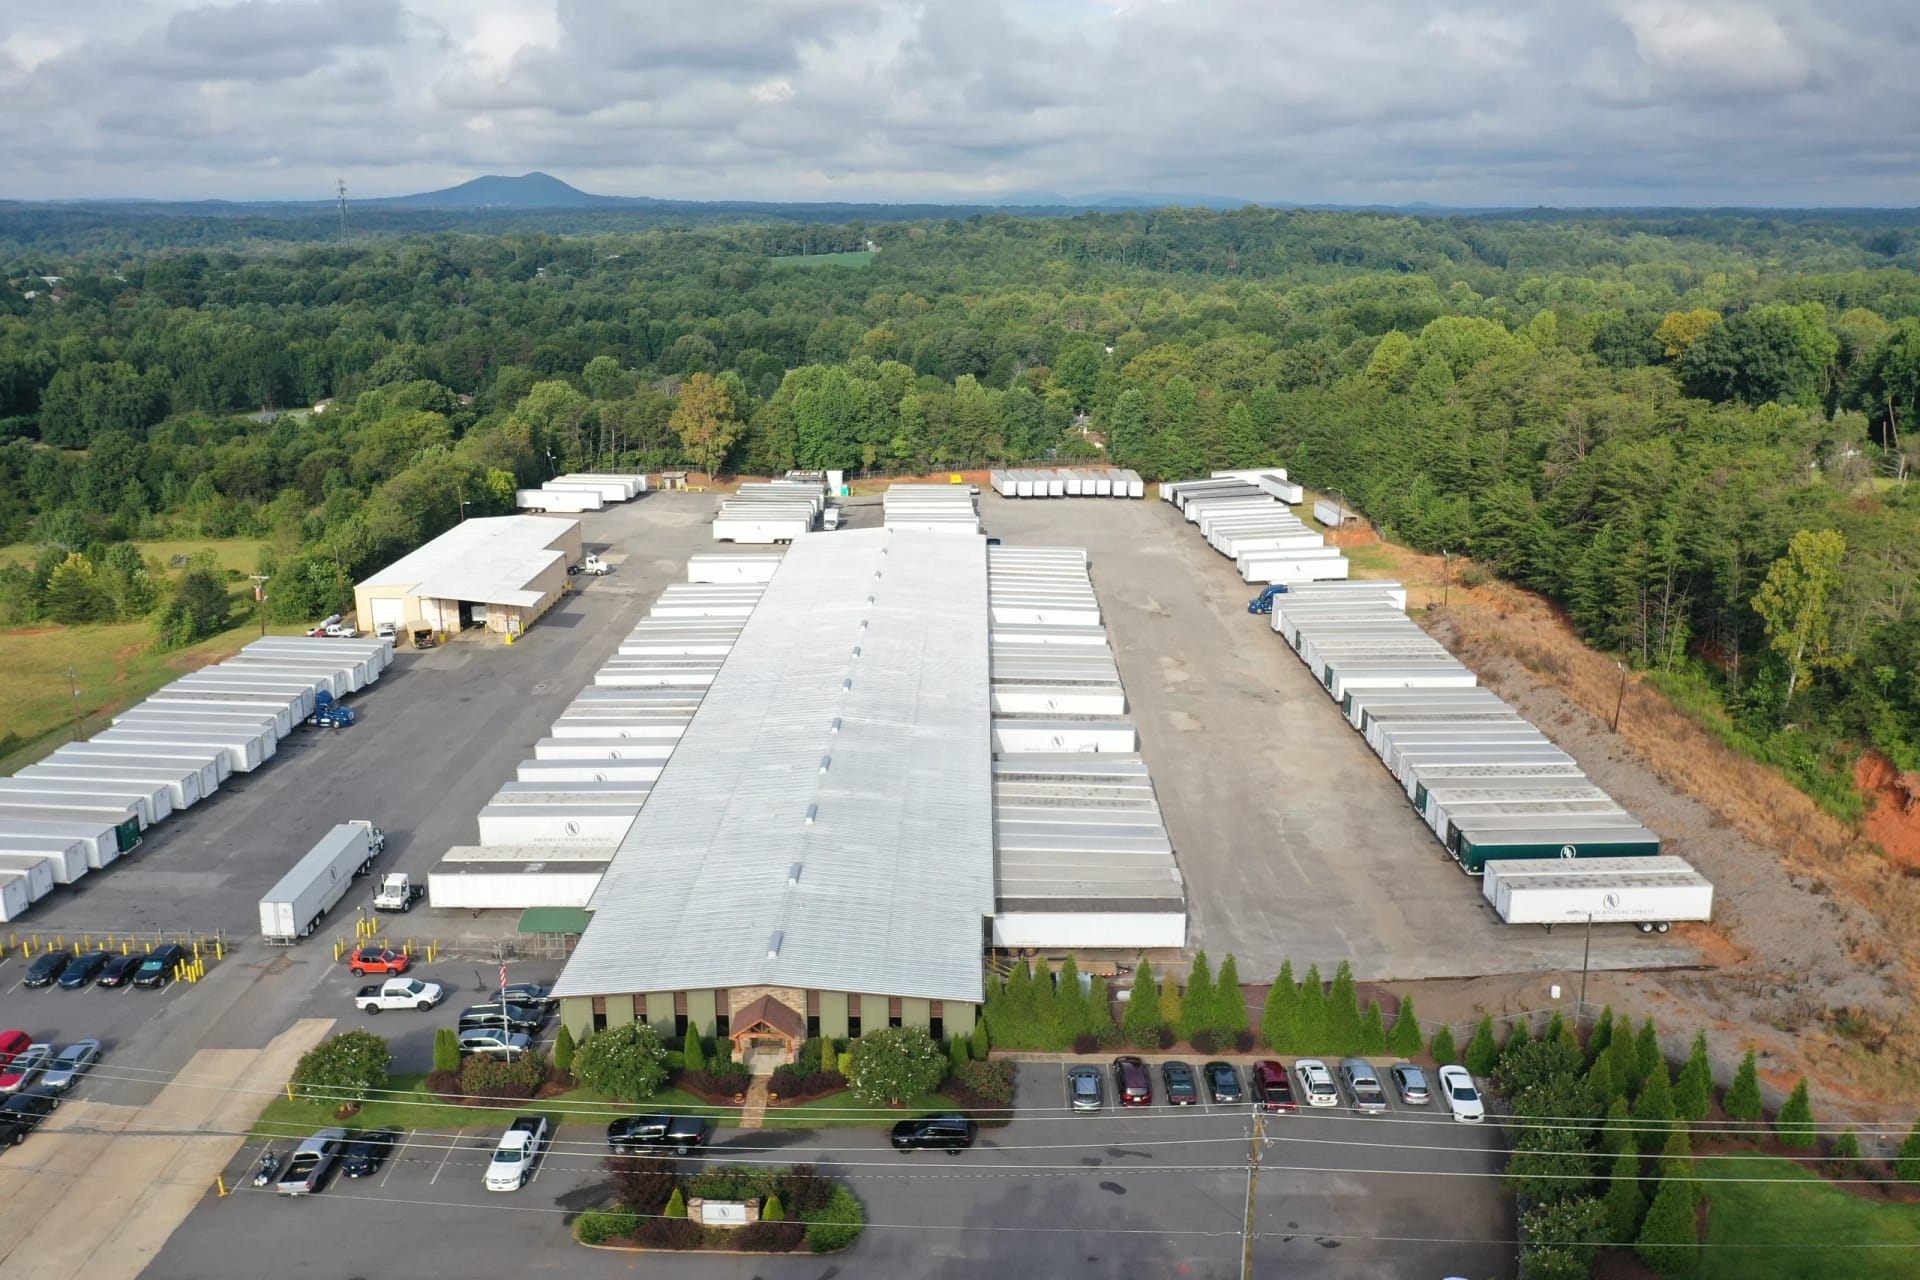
column 1781, row 102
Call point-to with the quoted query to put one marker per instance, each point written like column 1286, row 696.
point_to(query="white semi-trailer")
column 293, row 908
column 1649, row 893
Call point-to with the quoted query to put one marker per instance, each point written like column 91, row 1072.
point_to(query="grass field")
column 239, row 554
column 851, row 258
column 1791, row 1226
column 408, row 1104
column 840, row 1110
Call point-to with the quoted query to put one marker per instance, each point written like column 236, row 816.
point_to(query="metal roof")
column 490, row 559
column 826, row 821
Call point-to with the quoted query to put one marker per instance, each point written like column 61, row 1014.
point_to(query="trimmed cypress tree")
column 1906, row 1162
column 957, row 1055
column 1069, row 1005
column 1444, row 1050
column 1846, row 1152
column 773, row 1210
column 1482, row 1055
column 1601, row 1036
column 1743, row 1095
column 1648, row 1047
column 1556, row 1025
column 1310, row 1022
column 1142, row 1023
column 693, row 1054
column 1676, row 1161
column 1099, row 1010
column 1653, row 1110
column 1518, row 1036
column 1669, row 1235
column 1197, row 1006
column 1693, row 1092
column 676, row 1205
column 1279, row 1019
column 1173, row 1009
column 1626, row 1200
column 1343, row 1013
column 563, row 1048
column 1373, row 1030
column 1013, row 1028
column 982, row 1040
column 1616, row 1131
column 1600, row 1081
column 1624, row 1058
column 1404, row 1038
column 1794, row 1124
column 1230, row 1003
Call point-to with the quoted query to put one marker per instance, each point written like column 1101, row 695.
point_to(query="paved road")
column 1149, row 1192
column 1294, row 840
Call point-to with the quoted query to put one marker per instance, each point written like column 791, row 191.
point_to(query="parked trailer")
column 35, row 868
column 26, row 803
column 212, row 766
column 262, row 726
column 245, row 751
column 560, row 772
column 280, row 716
column 155, row 796
column 1650, row 893
column 571, row 501
column 341, row 677
column 1475, row 848
column 297, row 694
column 1063, row 735
column 16, row 895
column 100, row 841
column 1296, row 568
column 293, row 908
column 65, row 856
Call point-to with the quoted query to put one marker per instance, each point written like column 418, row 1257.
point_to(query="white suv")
column 1316, row 1083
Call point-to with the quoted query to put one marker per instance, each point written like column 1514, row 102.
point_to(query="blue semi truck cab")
column 1263, row 603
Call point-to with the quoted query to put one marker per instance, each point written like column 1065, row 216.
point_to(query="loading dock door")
column 388, row 612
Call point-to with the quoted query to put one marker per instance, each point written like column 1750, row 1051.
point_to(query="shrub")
column 1086, row 1042
column 804, row 1189
column 1142, row 1021
column 1520, row 1036
column 1202, row 1041
column 772, row 1211
column 806, row 1059
column 1444, row 1052
column 1906, row 1162
column 446, row 1050
column 823, row 1082
column 597, row 1226
column 1743, row 1095
column 676, row 1205
column 563, row 1049
column 1404, row 1038
column 669, row 1233
column 836, row 1224
column 446, row 1083
column 1111, row 1038
column 957, row 1055
column 981, row 1042
column 496, row 1078
column 643, row 1183
column 722, row 1082
column 1482, row 1055
column 1846, row 1152
column 343, row 1069
column 786, row 1083
column 1244, row 1040
column 624, row 1064
column 769, row 1237
column 983, row 1084
column 1373, row 1030
column 693, row 1056
column 1794, row 1124
column 1165, row 1039
column 893, row 1064
column 843, row 1061
column 1279, row 1021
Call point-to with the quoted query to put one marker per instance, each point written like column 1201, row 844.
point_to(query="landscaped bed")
column 800, row 1210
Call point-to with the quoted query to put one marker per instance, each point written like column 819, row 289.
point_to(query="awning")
column 554, row 920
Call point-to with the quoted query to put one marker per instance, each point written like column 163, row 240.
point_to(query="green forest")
column 1694, row 431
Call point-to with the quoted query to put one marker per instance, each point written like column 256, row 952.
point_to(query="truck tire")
column 1644, row 926
column 424, row 1005
column 371, row 1009
column 406, row 906
column 1662, row 927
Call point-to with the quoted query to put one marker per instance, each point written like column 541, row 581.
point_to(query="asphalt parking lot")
column 1295, row 841
column 1156, row 1191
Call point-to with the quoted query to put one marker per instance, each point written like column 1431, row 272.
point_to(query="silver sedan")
column 69, row 1065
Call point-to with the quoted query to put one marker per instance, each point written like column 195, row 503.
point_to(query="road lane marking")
column 452, row 1147
column 393, row 1161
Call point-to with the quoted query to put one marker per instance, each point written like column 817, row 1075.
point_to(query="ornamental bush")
column 1482, row 1053
column 836, row 1224
column 623, row 1064
column 893, row 1064
column 343, row 1070
column 446, row 1049
column 597, row 1226
column 1743, row 1095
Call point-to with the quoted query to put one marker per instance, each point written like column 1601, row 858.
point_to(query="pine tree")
column 1099, row 1009
column 1404, row 1039
column 1600, row 1081
column 1648, row 1048
column 1626, row 1200
column 1069, row 1005
column 1482, row 1054
column 1230, row 1003
column 1616, row 1131
column 1444, row 1051
column 1693, row 1093
column 1794, row 1124
column 1279, row 1020
column 982, row 1041
column 1311, row 1021
column 1601, row 1035
column 1906, row 1161
column 1343, row 1013
column 1623, row 1058
column 1556, row 1026
column 1676, row 1160
column 1014, row 1029
column 1567, row 1034
column 1373, row 1031
column 1669, row 1235
column 1142, row 1023
column 1743, row 1095
column 1516, row 1038
column 1197, row 1005
column 1653, row 1110
column 693, row 1056
column 1243, row 447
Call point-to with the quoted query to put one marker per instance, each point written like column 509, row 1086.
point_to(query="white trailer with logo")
column 1649, row 893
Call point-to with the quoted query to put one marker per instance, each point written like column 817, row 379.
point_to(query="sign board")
column 723, row 1213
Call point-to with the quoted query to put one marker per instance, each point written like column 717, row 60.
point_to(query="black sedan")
column 365, row 1152
column 45, row 968
column 528, row 995
column 1179, row 1082
column 83, row 969
column 1223, row 1082
column 951, row 1134
column 119, row 969
column 512, row 1018
column 157, row 966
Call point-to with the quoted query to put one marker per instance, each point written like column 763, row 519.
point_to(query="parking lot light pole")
column 1255, row 1141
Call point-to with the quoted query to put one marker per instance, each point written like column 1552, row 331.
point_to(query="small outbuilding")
column 500, row 572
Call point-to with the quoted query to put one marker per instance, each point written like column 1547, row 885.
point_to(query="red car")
column 1131, row 1083
column 378, row 960
column 12, row 1043
column 1271, row 1087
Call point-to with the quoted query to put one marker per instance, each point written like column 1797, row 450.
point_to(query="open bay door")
column 387, row 612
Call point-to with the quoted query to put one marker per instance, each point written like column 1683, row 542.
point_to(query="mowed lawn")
column 1791, row 1225
column 407, row 1103
column 242, row 555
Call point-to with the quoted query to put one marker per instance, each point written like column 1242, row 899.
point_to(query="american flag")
column 503, row 978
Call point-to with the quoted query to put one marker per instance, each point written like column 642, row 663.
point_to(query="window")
column 936, row 1027
column 679, row 1026
column 893, row 1011
column 722, row 1025
column 853, row 1026
column 599, row 1013
column 813, row 1026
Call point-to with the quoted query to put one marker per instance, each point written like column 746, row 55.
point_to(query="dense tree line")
column 1633, row 414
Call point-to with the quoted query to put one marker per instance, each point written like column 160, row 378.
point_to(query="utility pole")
column 340, row 189
column 1585, row 956
column 460, row 496
column 1446, row 576
column 1621, row 698
column 73, row 683
column 1255, row 1141
column 260, row 581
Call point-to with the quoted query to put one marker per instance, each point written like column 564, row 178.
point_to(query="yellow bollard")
column 126, row 946
column 289, row 1091
column 60, row 940
column 149, row 947
column 219, row 948
column 221, row 1180
column 88, row 938
column 336, row 950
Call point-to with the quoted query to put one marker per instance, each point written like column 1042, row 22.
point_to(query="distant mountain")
column 528, row 191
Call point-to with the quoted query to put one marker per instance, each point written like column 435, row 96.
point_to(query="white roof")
column 490, row 560
column 845, row 747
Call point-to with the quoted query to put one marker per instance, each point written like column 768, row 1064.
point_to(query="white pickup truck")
column 519, row 1147
column 400, row 993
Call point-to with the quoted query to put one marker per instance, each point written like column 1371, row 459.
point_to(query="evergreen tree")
column 1567, row 1034
column 1373, row 1031
column 1616, row 1131
column 676, row 1205
column 1623, row 1057
column 773, row 1210
column 982, row 1041
column 563, row 1048
column 1173, row 1009
column 1444, row 1051
column 1142, row 1023
column 1669, row 1235
column 1794, row 1124
column 1197, row 1005
column 1676, row 1160
column 1601, row 1035
column 1653, row 1110
column 1600, row 1081
column 1230, row 1003
column 1648, row 1048
column 1127, row 431
column 1069, row 1005
column 1743, row 1095
column 1556, row 1027
column 1310, row 1022
column 1846, row 1152
column 1343, row 1013
column 1243, row 446
column 694, row 1056
column 1014, row 1028
column 1279, row 1019
column 1693, row 1093
column 1517, row 1038
column 1404, row 1039
column 1482, row 1054
column 1099, row 1009
column 957, row 1055
column 1626, row 1200
column 1906, row 1162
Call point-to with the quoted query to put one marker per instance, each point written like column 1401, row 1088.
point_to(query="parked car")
column 46, row 967
column 341, row 631
column 118, row 970
column 364, row 1153
column 951, row 1134
column 1463, row 1100
column 26, row 1064
column 1182, row 1091
column 631, row 1135
column 528, row 995
column 362, row 961
column 1132, row 1086
column 1316, row 1082
column 1084, row 1090
column 495, row 1042
column 1271, row 1087
column 157, row 969
column 1410, row 1082
column 513, row 1017
column 11, row 1043
column 21, row 1114
column 69, row 1065
column 1223, row 1082
column 1363, row 1086
column 312, row 1160
column 83, row 969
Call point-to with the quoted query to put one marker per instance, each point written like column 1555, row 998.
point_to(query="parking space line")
column 451, row 1148
column 394, row 1158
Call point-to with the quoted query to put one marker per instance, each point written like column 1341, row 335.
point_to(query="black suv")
column 21, row 1114
column 513, row 1018
column 45, row 968
column 157, row 969
column 631, row 1135
column 951, row 1134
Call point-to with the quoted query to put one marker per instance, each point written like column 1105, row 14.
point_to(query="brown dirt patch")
column 1893, row 817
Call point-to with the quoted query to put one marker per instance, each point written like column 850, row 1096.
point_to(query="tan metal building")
column 499, row 572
